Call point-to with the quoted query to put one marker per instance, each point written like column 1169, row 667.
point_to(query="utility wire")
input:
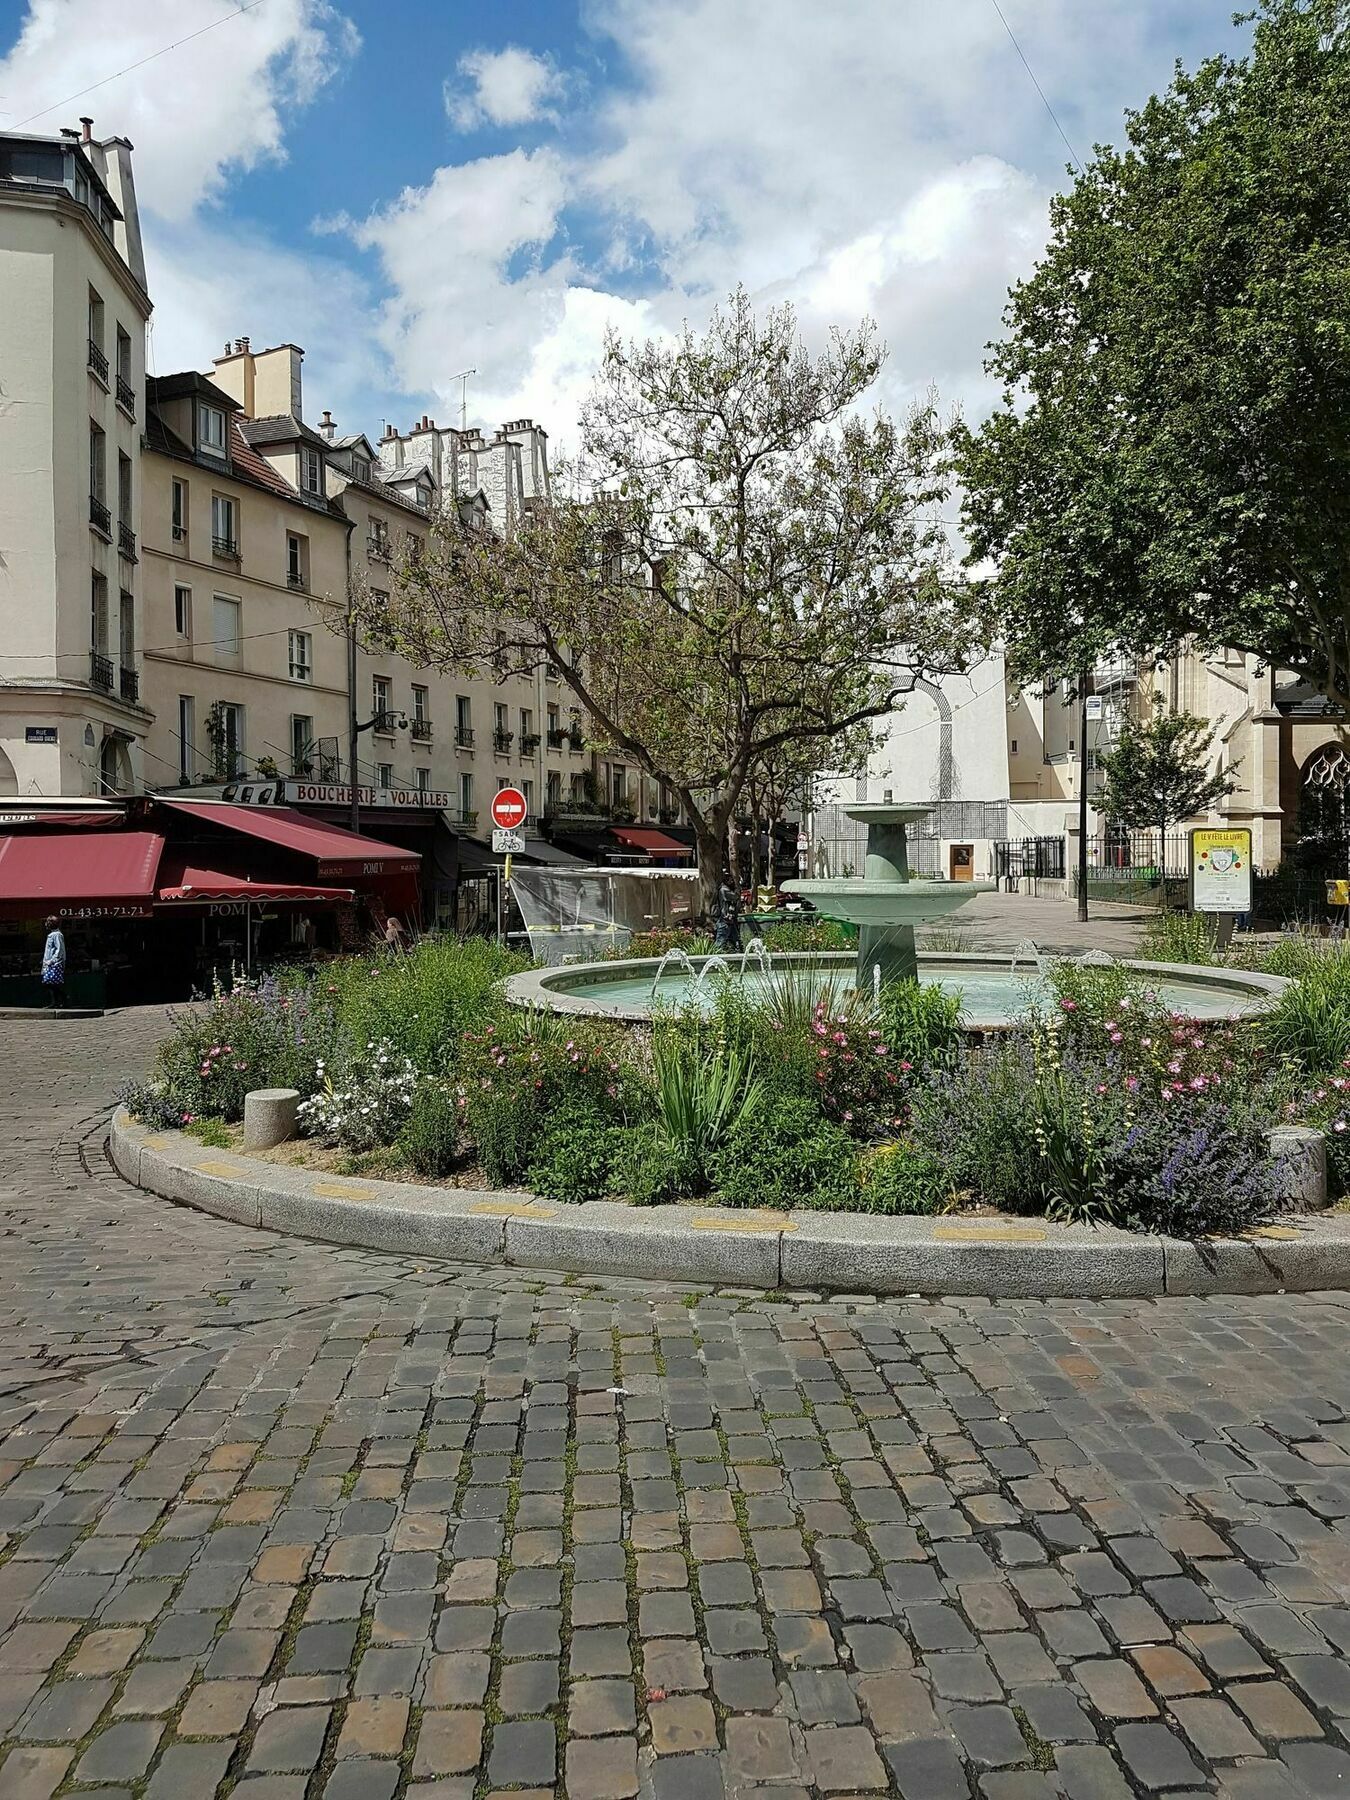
column 1073, row 154
column 177, row 44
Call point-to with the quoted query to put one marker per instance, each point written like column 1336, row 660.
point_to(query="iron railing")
column 98, row 362
column 126, row 542
column 501, row 741
column 421, row 730
column 464, row 736
column 101, row 672
column 130, row 684
column 126, row 396
column 224, row 546
column 99, row 516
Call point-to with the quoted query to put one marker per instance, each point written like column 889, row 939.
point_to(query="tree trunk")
column 756, row 865
column 708, row 836
column 734, row 852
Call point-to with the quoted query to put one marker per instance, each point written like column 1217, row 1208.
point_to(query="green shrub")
column 425, row 1002
column 647, row 1167
column 1192, row 1169
column 977, row 1118
column 921, row 1025
column 575, row 1153
column 218, row 1055
column 1310, row 1023
column 212, row 1132
column 790, row 1156
column 365, row 1101
column 703, row 1095
column 151, row 1105
column 902, row 1178
column 786, row 936
column 1181, row 937
column 429, row 1142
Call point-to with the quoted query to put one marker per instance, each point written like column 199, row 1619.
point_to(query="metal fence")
column 1039, row 858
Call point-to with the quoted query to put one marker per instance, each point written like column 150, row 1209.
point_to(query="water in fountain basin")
column 1027, row 951
column 678, row 957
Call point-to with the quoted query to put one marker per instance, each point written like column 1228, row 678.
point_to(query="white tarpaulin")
column 577, row 915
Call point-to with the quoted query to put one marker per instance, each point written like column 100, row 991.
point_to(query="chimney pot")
column 88, row 125
column 243, row 343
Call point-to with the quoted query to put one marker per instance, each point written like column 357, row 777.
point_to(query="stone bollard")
column 269, row 1117
column 1303, row 1152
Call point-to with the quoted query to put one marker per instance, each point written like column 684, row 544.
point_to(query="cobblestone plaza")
column 283, row 1520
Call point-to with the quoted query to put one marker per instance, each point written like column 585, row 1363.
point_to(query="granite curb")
column 839, row 1252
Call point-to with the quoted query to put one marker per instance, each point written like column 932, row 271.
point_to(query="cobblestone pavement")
column 279, row 1520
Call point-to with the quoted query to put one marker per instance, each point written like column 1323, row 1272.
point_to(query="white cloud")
column 207, row 109
column 502, row 87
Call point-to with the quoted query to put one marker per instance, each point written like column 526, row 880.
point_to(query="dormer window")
column 210, row 430
column 361, row 467
column 423, row 499
column 309, row 470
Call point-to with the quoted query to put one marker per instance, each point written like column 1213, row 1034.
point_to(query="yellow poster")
column 1221, row 869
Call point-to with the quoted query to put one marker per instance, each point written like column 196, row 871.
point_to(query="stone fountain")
column 886, row 903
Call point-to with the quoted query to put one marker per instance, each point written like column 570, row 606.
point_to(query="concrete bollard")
column 1302, row 1150
column 269, row 1117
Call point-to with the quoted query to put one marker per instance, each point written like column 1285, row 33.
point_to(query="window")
column 126, row 393
column 377, row 540
column 381, row 598
column 382, row 695
column 618, row 788
column 123, row 489
column 463, row 721
column 98, row 636
column 420, row 714
column 225, row 630
column 210, row 430
column 309, row 470
column 386, row 774
column 98, row 359
column 423, row 779
column 554, row 727
column 361, row 468
column 230, row 753
column 182, row 611
column 1012, row 746
column 98, row 463
column 501, row 727
column 527, row 788
column 295, row 561
column 301, row 658
column 526, row 724
column 187, row 733
column 224, row 526
column 466, row 798
column 180, row 511
column 126, row 636
column 413, row 546
column 552, row 788
column 302, row 736
column 423, row 500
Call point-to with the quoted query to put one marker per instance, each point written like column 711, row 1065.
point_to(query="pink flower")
column 1339, row 1125
column 1117, row 1037
column 1108, row 1024
column 1068, row 1006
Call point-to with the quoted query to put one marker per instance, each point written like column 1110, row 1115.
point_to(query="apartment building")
column 73, row 309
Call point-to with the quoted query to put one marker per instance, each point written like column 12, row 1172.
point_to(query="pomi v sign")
column 508, row 809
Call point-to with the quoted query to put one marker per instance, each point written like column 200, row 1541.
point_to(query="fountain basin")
column 992, row 994
column 883, row 903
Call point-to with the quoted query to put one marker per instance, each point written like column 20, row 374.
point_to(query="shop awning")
column 106, row 875
column 52, row 819
column 333, row 850
column 656, row 843
column 184, row 882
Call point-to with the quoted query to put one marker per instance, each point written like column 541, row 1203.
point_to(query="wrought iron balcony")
column 556, row 739
column 464, row 736
column 126, row 397
column 501, row 740
column 101, row 672
column 529, row 742
column 126, row 542
column 377, row 549
column 99, row 517
column 180, row 534
column 578, row 740
column 294, row 579
column 98, row 362
column 421, row 731
column 225, row 546
column 130, row 684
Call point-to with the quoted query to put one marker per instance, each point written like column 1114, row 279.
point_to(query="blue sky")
column 407, row 190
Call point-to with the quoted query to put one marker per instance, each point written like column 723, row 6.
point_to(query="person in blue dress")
column 54, row 964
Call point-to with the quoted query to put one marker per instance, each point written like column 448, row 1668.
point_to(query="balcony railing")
column 294, row 579
column 101, row 672
column 129, row 684
column 180, row 534
column 98, row 362
column 421, row 731
column 578, row 740
column 529, row 742
column 126, row 542
column 377, row 549
column 99, row 517
column 464, row 736
column 556, row 739
column 224, row 546
column 126, row 397
column 501, row 741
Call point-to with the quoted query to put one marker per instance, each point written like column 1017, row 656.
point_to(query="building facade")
column 73, row 310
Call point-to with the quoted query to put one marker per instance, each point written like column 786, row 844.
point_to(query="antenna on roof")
column 463, row 379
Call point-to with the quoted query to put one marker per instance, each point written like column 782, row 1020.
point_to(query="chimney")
column 69, row 131
column 88, row 125
column 326, row 425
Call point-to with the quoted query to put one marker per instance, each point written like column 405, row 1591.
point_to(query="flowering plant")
column 858, row 1080
column 369, row 1103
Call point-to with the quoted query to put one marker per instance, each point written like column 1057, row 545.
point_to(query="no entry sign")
column 508, row 809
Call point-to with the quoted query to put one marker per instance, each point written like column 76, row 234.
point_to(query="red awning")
column 640, row 838
column 54, row 820
column 333, row 850
column 109, row 875
column 183, row 883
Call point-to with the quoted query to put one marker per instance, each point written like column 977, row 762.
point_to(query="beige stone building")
column 73, row 308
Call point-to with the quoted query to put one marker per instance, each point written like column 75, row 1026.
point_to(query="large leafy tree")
column 1160, row 772
column 738, row 561
column 1171, row 458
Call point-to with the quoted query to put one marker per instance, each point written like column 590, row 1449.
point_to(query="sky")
column 412, row 190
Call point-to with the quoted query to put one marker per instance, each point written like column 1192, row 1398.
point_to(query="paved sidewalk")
column 1002, row 921
column 285, row 1521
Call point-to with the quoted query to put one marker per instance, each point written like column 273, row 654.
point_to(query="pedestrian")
column 727, row 919
column 395, row 938
column 54, row 964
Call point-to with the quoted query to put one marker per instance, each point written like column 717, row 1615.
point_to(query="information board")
column 1221, row 869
